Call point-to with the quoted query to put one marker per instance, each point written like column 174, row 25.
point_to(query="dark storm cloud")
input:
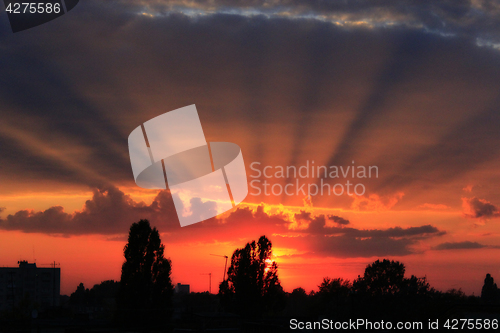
column 479, row 208
column 78, row 94
column 461, row 246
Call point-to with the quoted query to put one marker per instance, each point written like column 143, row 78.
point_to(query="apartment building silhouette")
column 29, row 284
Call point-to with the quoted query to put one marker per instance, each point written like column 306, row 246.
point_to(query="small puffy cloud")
column 374, row 202
column 468, row 188
column 479, row 208
column 338, row 219
column 314, row 223
column 317, row 225
column 304, row 216
column 430, row 206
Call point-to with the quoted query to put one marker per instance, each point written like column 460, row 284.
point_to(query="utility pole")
column 209, row 281
column 225, row 266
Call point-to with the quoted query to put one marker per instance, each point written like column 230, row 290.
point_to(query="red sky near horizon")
column 416, row 103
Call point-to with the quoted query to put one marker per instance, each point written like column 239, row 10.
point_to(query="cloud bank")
column 111, row 212
column 476, row 19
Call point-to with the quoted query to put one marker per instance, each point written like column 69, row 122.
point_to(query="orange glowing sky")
column 94, row 258
column 341, row 87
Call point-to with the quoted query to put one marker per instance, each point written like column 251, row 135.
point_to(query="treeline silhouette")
column 251, row 299
column 382, row 292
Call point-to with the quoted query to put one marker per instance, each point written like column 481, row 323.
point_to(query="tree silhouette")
column 145, row 287
column 101, row 299
column 105, row 290
column 332, row 296
column 337, row 286
column 80, row 296
column 381, row 278
column 252, row 286
column 298, row 303
column 489, row 292
column 383, row 291
column 416, row 286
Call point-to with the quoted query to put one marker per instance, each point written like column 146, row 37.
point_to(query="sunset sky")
column 411, row 87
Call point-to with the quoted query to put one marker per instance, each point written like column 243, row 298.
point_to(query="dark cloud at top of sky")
column 478, row 20
column 479, row 208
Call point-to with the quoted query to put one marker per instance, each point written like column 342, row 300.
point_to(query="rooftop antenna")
column 225, row 266
column 209, row 281
column 52, row 264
